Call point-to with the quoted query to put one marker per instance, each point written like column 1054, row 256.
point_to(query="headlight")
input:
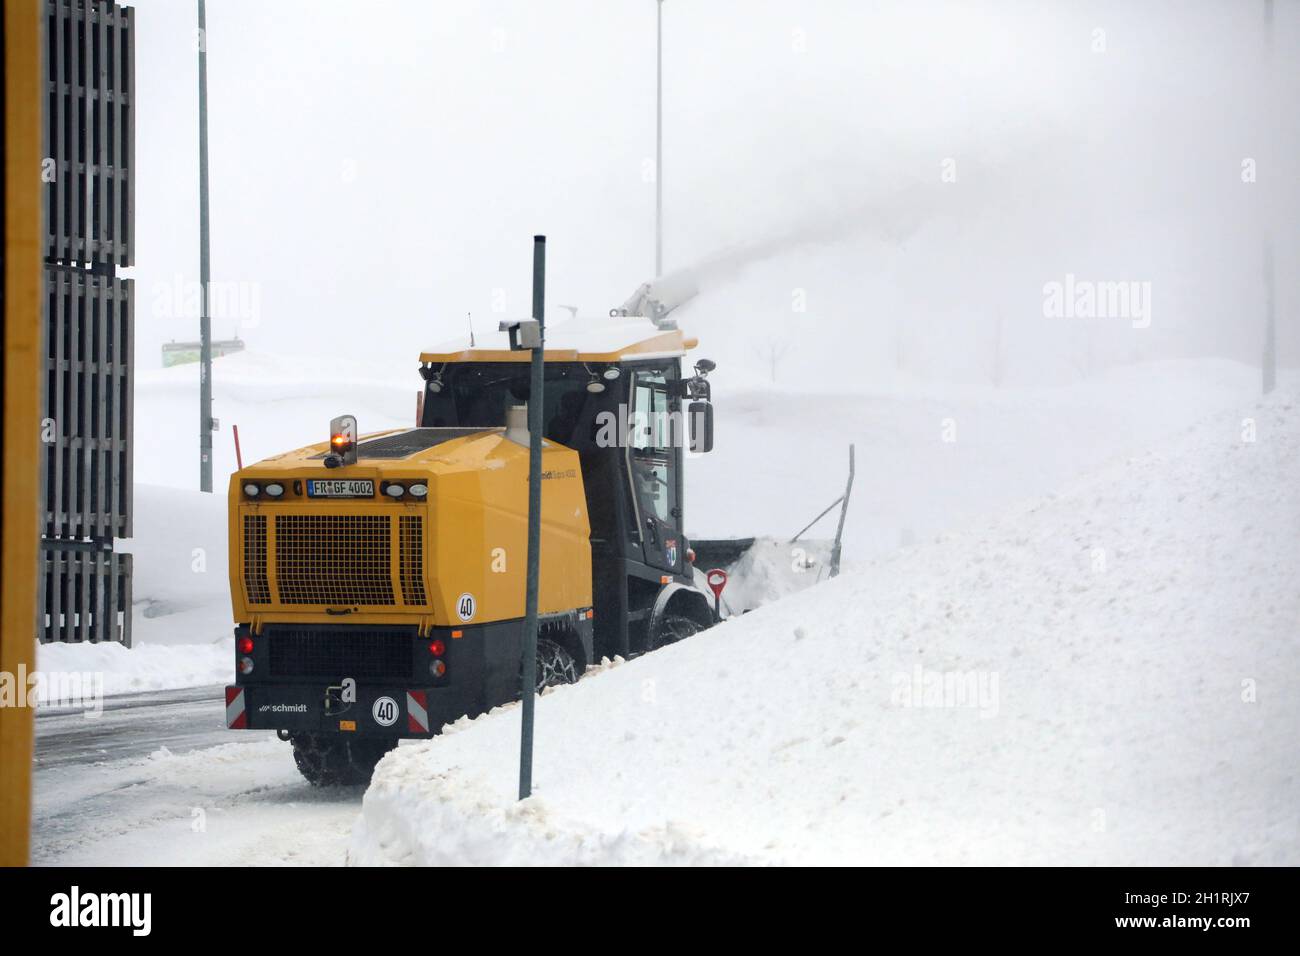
column 252, row 490
column 275, row 489
column 418, row 491
column 394, row 491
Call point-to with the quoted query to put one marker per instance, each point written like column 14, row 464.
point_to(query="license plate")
column 341, row 488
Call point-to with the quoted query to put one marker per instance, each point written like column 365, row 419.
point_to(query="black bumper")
column 378, row 711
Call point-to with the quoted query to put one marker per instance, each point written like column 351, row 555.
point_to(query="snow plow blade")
column 760, row 570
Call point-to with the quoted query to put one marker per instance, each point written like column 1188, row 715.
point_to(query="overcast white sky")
column 379, row 168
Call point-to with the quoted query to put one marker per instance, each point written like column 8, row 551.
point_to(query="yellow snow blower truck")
column 378, row 581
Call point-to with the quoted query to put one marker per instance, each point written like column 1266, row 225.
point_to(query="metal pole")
column 844, row 510
column 659, row 138
column 1269, row 363
column 205, row 318
column 528, row 692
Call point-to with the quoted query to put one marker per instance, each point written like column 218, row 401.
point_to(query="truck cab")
column 630, row 414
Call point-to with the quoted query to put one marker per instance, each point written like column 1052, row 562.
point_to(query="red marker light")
column 245, row 645
column 438, row 648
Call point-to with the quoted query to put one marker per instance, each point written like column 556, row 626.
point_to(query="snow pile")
column 1109, row 675
column 931, row 457
column 108, row 669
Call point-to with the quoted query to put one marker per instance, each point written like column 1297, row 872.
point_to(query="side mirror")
column 701, row 416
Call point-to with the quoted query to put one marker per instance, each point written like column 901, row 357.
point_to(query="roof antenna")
column 469, row 316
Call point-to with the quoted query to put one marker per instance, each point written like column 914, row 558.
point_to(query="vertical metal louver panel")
column 87, row 595
column 90, row 132
column 87, row 404
column 411, row 560
column 257, row 587
column 88, row 176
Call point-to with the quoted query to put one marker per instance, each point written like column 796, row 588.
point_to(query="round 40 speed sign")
column 384, row 711
column 465, row 607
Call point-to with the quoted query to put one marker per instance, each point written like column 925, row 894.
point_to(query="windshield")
column 477, row 394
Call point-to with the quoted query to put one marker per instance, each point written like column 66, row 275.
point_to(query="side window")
column 650, row 413
column 652, row 455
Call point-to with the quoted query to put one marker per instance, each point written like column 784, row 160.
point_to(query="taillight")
column 437, row 668
column 438, row 648
column 245, row 645
column 245, row 665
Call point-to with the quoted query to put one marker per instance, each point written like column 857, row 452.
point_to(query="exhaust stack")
column 517, row 424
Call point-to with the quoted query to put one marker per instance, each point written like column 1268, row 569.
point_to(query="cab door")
column 654, row 456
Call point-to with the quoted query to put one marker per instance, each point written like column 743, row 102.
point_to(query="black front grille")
column 361, row 654
column 405, row 444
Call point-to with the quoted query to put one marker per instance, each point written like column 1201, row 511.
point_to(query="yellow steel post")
column 20, row 435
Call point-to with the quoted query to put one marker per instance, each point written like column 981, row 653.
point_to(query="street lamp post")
column 659, row 138
column 205, row 317
column 1268, row 365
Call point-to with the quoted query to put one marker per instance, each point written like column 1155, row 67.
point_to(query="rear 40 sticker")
column 384, row 711
column 465, row 607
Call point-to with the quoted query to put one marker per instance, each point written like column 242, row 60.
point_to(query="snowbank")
column 108, row 669
column 1109, row 675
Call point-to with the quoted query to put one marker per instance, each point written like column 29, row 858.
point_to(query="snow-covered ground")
column 235, row 804
column 1109, row 618
column 1110, row 674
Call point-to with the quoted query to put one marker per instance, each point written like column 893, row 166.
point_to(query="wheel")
column 670, row 629
column 330, row 760
column 555, row 666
